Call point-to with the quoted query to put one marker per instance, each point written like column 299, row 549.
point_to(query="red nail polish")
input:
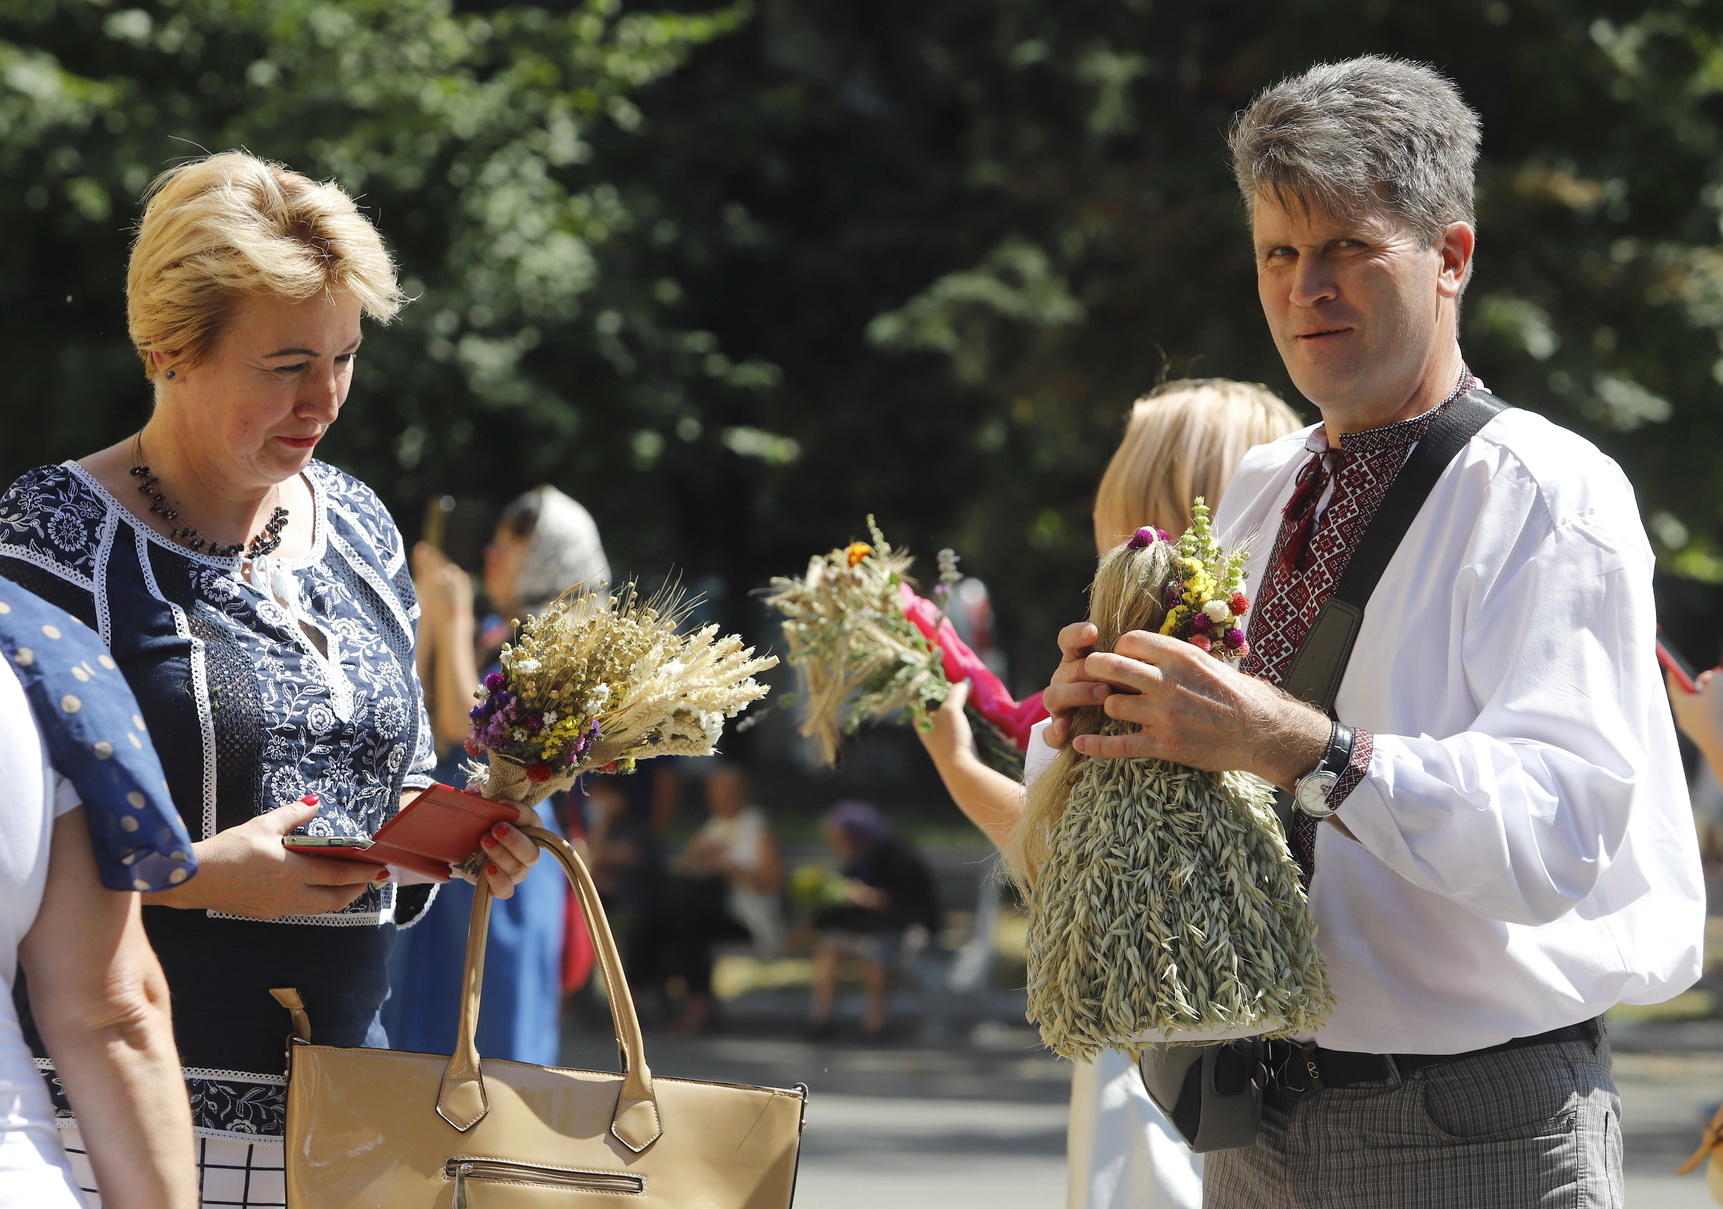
column 310, row 799
column 500, row 830
column 488, row 842
column 490, row 869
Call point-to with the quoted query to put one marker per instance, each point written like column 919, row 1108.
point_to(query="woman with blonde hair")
column 259, row 604
column 1182, row 440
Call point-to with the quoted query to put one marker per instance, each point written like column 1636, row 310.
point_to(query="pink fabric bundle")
column 1012, row 718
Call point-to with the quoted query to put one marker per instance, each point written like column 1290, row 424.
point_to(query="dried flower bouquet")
column 599, row 682
column 1163, row 901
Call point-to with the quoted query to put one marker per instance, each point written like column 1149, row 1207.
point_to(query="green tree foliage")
column 968, row 233
column 530, row 352
column 738, row 277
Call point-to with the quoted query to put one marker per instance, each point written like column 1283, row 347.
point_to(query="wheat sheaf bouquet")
column 1163, row 902
column 597, row 682
column 860, row 656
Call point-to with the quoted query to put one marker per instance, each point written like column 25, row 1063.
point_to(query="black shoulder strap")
column 1322, row 657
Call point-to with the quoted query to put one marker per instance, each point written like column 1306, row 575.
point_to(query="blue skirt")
column 521, row 1009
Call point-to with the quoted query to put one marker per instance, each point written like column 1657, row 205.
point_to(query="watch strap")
column 1339, row 753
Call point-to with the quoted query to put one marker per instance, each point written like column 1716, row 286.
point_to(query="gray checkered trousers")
column 1534, row 1127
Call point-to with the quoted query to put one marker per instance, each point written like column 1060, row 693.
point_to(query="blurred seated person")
column 727, row 886
column 888, row 889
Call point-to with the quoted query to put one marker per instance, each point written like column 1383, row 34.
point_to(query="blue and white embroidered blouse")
column 251, row 709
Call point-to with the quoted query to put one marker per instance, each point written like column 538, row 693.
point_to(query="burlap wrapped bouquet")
column 1163, row 902
column 598, row 682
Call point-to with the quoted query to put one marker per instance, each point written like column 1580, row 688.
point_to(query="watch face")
column 1311, row 793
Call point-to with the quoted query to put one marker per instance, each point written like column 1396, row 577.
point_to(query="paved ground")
column 979, row 1122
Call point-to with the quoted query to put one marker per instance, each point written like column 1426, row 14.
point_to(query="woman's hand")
column 864, row 895
column 508, row 856
column 246, row 871
column 445, row 591
column 704, row 855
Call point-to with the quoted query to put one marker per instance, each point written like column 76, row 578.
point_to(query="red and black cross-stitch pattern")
column 1288, row 599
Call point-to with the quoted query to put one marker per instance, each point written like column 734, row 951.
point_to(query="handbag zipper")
column 461, row 1170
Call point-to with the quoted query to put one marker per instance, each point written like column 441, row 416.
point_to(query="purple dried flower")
column 1172, row 594
column 1232, row 639
column 534, row 724
column 1164, row 535
column 496, row 681
column 1142, row 538
column 1201, row 624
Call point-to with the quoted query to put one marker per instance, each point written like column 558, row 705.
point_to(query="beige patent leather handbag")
column 382, row 1128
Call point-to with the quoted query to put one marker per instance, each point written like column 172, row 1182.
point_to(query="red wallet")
column 440, row 827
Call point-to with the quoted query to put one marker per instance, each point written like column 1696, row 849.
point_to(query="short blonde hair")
column 230, row 225
column 1183, row 439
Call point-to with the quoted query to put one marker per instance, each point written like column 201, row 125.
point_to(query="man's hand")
column 1072, row 687
column 1189, row 708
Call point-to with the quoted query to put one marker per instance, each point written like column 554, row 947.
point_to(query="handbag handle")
column 461, row 1098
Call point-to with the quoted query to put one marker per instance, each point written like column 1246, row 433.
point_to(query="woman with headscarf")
column 545, row 544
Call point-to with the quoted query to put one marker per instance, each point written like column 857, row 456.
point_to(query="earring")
column 172, row 374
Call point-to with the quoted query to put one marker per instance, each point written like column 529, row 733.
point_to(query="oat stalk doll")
column 1163, row 901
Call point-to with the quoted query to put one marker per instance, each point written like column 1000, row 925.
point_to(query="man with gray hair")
column 1508, row 851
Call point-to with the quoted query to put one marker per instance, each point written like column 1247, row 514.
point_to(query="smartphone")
column 323, row 843
column 439, row 827
column 1676, row 664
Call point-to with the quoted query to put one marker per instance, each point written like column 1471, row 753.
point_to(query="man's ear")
column 1458, row 240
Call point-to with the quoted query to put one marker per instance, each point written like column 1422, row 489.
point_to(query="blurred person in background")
column 887, row 889
column 87, row 820
column 625, row 850
column 545, row 544
column 258, row 602
column 1699, row 716
column 726, row 885
column 1181, row 441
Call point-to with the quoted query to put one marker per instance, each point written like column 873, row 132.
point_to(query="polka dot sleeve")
column 97, row 740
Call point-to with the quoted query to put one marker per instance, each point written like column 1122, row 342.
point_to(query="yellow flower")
column 858, row 551
column 1175, row 618
column 1199, row 587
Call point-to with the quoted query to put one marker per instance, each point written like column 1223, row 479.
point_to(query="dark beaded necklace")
column 263, row 542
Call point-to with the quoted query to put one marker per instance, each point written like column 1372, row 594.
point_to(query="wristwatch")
column 1310, row 792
